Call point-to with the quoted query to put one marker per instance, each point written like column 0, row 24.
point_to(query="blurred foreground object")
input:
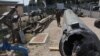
column 77, row 37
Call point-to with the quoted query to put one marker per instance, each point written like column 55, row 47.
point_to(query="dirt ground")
column 53, row 41
column 55, row 36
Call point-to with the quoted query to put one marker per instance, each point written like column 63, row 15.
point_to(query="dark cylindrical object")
column 97, row 23
column 74, row 31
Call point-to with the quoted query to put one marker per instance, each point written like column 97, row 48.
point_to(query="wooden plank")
column 26, row 27
column 45, row 19
column 54, row 48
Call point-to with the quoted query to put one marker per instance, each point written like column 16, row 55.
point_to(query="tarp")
column 60, row 5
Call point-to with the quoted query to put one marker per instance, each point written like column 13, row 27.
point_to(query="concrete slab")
column 39, row 39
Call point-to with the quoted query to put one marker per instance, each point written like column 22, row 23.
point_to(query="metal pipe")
column 75, row 33
column 71, row 19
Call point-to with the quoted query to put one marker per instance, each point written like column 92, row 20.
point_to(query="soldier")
column 58, row 14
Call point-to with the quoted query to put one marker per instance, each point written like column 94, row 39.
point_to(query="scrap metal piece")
column 11, row 21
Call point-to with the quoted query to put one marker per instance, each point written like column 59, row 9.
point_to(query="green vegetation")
column 62, row 1
column 18, row 53
column 1, row 36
